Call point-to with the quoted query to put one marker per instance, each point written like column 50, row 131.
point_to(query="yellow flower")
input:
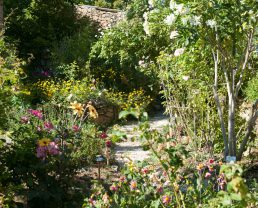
column 44, row 142
column 200, row 167
column 77, row 108
column 92, row 111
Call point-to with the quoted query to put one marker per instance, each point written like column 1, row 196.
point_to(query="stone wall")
column 106, row 18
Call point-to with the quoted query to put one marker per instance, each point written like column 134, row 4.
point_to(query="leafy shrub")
column 10, row 73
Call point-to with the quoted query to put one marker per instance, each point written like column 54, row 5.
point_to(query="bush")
column 10, row 72
column 47, row 147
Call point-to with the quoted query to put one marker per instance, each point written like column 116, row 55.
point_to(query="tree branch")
column 246, row 59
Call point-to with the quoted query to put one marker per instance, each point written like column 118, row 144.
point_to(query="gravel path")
column 131, row 149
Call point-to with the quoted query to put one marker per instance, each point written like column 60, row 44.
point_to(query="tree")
column 1, row 14
column 38, row 25
column 222, row 34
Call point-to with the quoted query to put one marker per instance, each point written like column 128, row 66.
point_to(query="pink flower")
column 92, row 201
column 108, row 143
column 39, row 128
column 207, row 175
column 24, row 119
column 166, row 199
column 122, row 179
column 36, row 113
column 103, row 135
column 53, row 148
column 48, row 126
column 145, row 171
column 76, row 128
column 114, row 187
column 133, row 185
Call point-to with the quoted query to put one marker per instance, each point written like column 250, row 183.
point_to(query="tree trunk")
column 1, row 15
column 231, row 126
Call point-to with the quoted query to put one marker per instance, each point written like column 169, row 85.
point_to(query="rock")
column 107, row 112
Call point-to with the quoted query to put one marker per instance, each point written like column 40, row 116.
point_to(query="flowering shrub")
column 173, row 179
column 150, row 186
column 48, row 146
column 134, row 99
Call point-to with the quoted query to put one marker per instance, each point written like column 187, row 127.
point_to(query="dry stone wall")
column 106, row 18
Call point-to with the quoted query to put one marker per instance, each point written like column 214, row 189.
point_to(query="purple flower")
column 36, row 113
column 42, row 152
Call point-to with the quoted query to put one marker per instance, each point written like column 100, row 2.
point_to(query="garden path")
column 131, row 149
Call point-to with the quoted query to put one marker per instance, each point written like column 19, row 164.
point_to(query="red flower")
column 211, row 161
column 103, row 135
column 108, row 143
